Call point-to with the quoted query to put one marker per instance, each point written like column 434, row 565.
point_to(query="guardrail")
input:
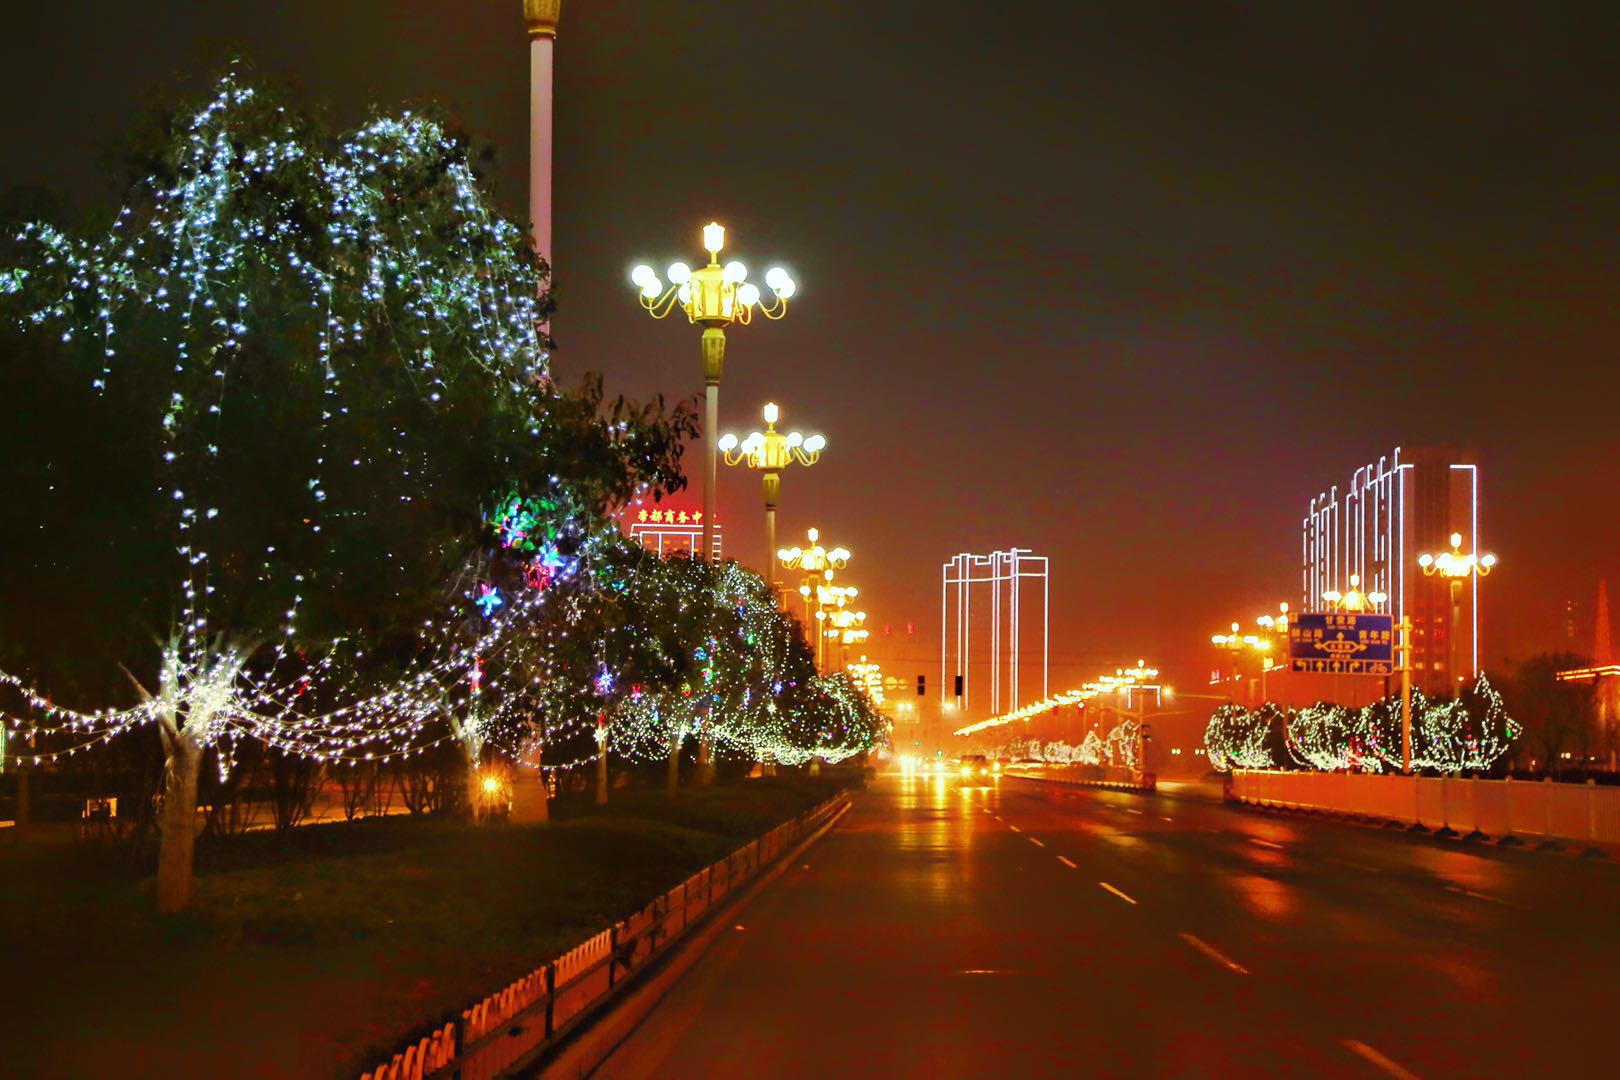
column 1117, row 777
column 1492, row 808
column 516, row 1026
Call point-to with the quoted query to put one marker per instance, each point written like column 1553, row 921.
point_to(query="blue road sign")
column 1341, row 643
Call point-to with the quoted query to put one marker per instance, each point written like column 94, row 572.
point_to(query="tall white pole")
column 541, row 17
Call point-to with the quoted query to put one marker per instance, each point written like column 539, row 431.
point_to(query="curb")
column 1509, row 842
column 617, row 1019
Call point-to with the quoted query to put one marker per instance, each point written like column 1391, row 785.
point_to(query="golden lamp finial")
column 541, row 17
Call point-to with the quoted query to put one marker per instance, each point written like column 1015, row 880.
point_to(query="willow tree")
column 275, row 397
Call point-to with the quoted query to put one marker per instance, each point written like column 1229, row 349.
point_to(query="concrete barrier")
column 1493, row 808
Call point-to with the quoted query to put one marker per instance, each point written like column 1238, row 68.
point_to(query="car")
column 973, row 766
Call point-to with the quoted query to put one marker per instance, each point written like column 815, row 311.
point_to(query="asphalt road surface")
column 1028, row 929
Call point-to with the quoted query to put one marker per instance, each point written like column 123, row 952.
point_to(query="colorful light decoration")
column 489, row 600
column 180, row 254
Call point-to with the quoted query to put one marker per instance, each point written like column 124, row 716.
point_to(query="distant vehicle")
column 975, row 766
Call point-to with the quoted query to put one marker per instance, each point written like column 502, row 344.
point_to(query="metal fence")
column 516, row 1026
column 1494, row 808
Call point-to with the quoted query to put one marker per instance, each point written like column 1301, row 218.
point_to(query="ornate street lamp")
column 846, row 627
column 1354, row 601
column 1456, row 567
column 713, row 297
column 770, row 451
column 816, row 562
column 1237, row 643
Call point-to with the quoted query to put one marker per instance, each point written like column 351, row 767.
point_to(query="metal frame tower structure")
column 1004, row 573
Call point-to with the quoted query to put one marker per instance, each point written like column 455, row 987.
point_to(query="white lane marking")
column 1460, row 891
column 1265, row 843
column 1362, row 1050
column 998, row 817
column 1214, row 954
column 1036, row 842
column 1132, row 810
column 1116, row 892
column 1015, row 828
column 1067, row 863
column 1357, row 866
column 1166, row 818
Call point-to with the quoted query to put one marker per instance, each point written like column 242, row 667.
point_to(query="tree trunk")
column 473, row 795
column 705, row 761
column 674, row 781
column 22, row 799
column 177, row 839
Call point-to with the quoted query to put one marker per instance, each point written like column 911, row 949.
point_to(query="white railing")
column 1495, row 808
column 509, row 1029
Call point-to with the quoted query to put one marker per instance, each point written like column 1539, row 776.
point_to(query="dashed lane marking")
column 1132, row 810
column 1367, row 1053
column 1214, row 954
column 1015, row 828
column 1266, row 843
column 1358, row 866
column 1036, row 842
column 1064, row 860
column 1116, row 892
column 1460, row 891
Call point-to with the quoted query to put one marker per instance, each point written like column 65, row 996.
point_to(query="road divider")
column 1501, row 809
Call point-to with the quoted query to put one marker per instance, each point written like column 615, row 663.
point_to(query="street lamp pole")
column 771, row 451
column 818, row 563
column 713, row 297
column 1456, row 566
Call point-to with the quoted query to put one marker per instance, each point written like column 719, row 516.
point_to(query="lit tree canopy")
column 1470, row 733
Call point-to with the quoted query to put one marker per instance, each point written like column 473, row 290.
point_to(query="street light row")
column 716, row 296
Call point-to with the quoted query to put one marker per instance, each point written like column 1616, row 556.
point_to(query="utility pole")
column 1406, row 693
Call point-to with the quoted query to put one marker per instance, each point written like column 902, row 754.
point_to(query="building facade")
column 670, row 529
column 1402, row 505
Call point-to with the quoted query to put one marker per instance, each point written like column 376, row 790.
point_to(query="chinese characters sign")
column 669, row 517
column 1341, row 643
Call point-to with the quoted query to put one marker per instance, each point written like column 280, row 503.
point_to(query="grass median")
column 315, row 953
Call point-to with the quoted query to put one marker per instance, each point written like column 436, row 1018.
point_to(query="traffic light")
column 922, row 685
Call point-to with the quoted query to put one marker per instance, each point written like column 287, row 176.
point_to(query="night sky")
column 1126, row 283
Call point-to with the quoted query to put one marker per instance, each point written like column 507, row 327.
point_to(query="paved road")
column 1029, row 929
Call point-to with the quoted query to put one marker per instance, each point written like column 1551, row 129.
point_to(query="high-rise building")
column 1394, row 509
column 1604, row 673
